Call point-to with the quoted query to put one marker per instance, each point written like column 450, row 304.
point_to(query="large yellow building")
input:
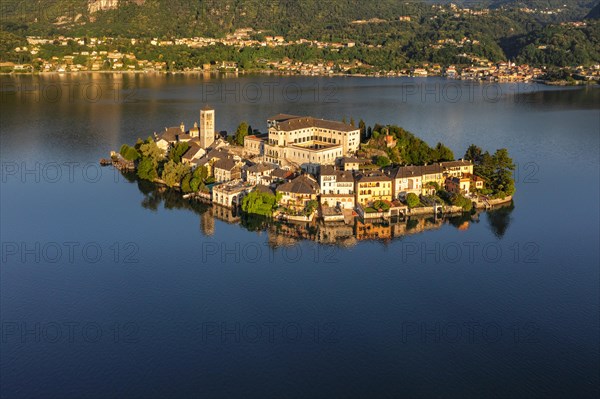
column 373, row 187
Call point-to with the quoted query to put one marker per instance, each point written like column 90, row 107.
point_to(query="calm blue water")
column 109, row 289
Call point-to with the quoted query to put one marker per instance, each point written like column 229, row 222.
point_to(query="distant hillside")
column 440, row 34
column 186, row 17
column 319, row 18
column 558, row 45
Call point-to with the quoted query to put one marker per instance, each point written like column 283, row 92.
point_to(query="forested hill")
column 307, row 18
column 536, row 31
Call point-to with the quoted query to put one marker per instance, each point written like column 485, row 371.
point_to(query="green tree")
column 485, row 166
column 259, row 203
column 434, row 185
column 186, row 183
column 199, row 178
column 381, row 205
column 311, row 206
column 504, row 185
column 412, row 200
column 178, row 151
column 201, row 172
column 146, row 169
column 129, row 153
column 464, row 203
column 502, row 179
column 151, row 150
column 174, row 172
column 474, row 154
column 382, row 161
column 138, row 143
column 502, row 161
column 363, row 130
column 442, row 153
column 242, row 131
column 497, row 170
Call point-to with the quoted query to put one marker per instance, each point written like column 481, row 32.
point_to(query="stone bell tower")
column 207, row 127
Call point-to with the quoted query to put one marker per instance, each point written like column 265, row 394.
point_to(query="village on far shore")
column 303, row 169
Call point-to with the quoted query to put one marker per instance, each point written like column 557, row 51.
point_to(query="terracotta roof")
column 300, row 185
column 305, row 122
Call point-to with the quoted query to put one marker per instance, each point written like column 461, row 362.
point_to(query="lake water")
column 111, row 289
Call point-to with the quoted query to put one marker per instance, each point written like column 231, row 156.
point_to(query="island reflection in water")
column 331, row 233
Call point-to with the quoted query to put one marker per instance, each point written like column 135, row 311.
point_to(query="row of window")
column 375, row 184
column 316, row 138
column 371, row 192
column 327, row 156
column 348, row 192
column 334, row 184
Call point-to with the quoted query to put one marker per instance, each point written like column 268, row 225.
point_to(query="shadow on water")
column 171, row 199
column 255, row 222
column 460, row 220
column 500, row 219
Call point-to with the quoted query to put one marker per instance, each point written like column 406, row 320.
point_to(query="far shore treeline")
column 386, row 35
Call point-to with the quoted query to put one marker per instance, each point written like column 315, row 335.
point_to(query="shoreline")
column 359, row 214
column 295, row 74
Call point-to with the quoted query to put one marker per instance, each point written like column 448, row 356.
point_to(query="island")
column 306, row 169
